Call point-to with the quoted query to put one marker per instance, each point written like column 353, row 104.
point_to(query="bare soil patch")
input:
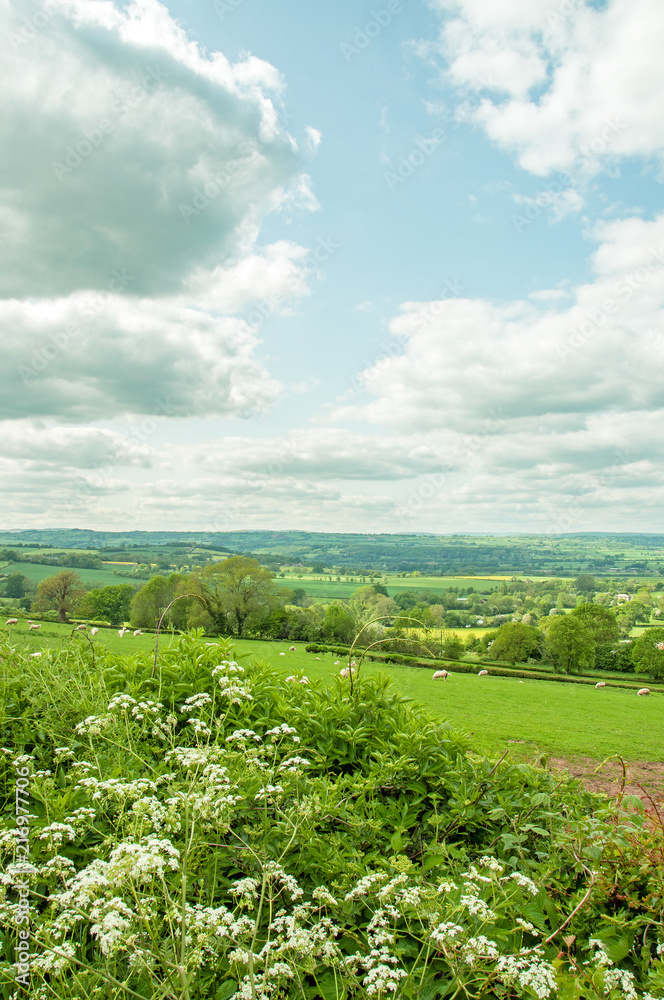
column 644, row 778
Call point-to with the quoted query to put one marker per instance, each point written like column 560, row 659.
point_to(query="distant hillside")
column 560, row 555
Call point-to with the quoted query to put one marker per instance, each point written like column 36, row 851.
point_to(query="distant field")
column 497, row 713
column 315, row 586
column 36, row 572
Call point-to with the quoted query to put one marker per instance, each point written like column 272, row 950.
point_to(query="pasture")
column 331, row 589
column 38, row 571
column 527, row 719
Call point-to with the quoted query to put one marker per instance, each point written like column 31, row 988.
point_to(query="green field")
column 558, row 719
column 322, row 587
column 38, row 571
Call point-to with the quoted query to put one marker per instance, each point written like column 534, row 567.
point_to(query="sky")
column 332, row 266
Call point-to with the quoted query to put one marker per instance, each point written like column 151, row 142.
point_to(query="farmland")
column 497, row 713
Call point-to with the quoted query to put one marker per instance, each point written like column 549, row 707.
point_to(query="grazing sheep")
column 34, row 627
column 644, row 691
column 138, row 632
column 12, row 621
column 483, row 673
column 35, row 654
column 282, row 654
column 292, row 649
column 600, row 684
column 93, row 631
column 337, row 662
column 347, row 671
column 122, row 632
column 81, row 628
column 440, row 673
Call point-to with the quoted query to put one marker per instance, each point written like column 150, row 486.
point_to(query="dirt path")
column 608, row 779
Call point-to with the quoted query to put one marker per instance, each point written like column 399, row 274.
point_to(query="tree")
column 648, row 653
column 233, row 590
column 111, row 604
column 601, row 622
column 339, row 624
column 16, row 585
column 632, row 612
column 451, row 646
column 60, row 592
column 515, row 642
column 585, row 584
column 569, row 644
column 149, row 603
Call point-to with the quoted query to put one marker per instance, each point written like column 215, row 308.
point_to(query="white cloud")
column 91, row 357
column 564, row 86
column 123, row 145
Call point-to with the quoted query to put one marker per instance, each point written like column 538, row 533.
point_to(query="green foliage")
column 569, row 645
column 601, row 622
column 111, row 604
column 515, row 642
column 206, row 829
column 451, row 646
column 60, row 593
column 648, row 653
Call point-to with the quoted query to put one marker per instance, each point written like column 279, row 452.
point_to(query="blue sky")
column 425, row 291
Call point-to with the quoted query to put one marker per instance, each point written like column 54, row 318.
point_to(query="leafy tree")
column 451, row 646
column 406, row 599
column 569, row 644
column 515, row 642
column 111, row 604
column 632, row 612
column 585, row 583
column 339, row 624
column 648, row 653
column 16, row 585
column 233, row 590
column 601, row 622
column 149, row 603
column 60, row 592
column 381, row 589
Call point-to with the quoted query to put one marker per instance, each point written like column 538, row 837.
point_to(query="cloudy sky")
column 332, row 266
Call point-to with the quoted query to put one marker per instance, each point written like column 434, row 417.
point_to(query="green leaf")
column 226, row 990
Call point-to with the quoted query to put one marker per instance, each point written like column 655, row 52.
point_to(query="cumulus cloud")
column 40, row 446
column 565, row 85
column 88, row 357
column 142, row 152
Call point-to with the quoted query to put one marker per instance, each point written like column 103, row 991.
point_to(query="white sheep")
column 291, row 680
column 347, row 671
column 81, row 628
column 292, row 649
column 12, row 621
column 483, row 673
column 138, row 632
column 93, row 631
column 34, row 627
column 440, row 673
column 644, row 691
column 600, row 684
column 122, row 632
column 282, row 654
column 35, row 654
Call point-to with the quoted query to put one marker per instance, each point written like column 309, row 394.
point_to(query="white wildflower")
column 529, row 971
column 445, row 933
column 523, row 881
column 58, row 832
column 477, row 907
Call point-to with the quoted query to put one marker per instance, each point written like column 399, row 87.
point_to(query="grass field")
column 317, row 586
column 37, row 572
column 544, row 717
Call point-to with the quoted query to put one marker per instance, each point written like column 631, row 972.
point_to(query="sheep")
column 35, row 654
column 122, row 632
column 441, row 673
column 600, row 684
column 347, row 671
column 93, row 631
column 644, row 691
column 138, row 632
column 34, row 627
column 12, row 621
column 282, row 654
column 81, row 628
column 292, row 649
column 483, row 673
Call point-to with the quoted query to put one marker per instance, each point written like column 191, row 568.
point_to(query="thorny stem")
column 373, row 621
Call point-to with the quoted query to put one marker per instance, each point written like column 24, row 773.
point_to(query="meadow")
column 499, row 714
column 331, row 589
column 203, row 829
column 90, row 577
